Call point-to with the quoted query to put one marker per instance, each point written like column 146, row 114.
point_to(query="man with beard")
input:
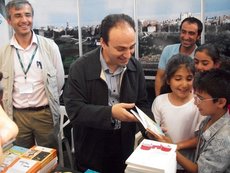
column 190, row 33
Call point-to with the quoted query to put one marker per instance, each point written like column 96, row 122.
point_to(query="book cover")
column 10, row 156
column 147, row 122
column 42, row 154
column 154, row 156
column 35, row 159
column 23, row 165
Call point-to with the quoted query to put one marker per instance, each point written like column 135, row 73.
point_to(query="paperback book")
column 147, row 122
column 35, row 160
column 152, row 156
column 10, row 156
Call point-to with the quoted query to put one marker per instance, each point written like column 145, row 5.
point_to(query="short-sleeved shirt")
column 168, row 52
column 213, row 146
column 186, row 117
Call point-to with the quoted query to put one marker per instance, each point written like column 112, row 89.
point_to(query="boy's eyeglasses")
column 199, row 99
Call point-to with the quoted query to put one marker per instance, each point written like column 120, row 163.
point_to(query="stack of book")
column 10, row 156
column 152, row 157
column 34, row 160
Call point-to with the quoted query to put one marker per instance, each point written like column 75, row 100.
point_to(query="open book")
column 147, row 122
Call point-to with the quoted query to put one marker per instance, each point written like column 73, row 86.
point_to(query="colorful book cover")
column 10, row 156
column 35, row 159
column 23, row 165
column 42, row 154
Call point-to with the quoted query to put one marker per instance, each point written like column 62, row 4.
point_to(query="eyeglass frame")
column 198, row 100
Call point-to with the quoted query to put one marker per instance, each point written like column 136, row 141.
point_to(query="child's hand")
column 160, row 138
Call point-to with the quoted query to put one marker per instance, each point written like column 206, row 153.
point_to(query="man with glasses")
column 212, row 89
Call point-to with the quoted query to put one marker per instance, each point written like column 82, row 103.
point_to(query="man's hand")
column 120, row 112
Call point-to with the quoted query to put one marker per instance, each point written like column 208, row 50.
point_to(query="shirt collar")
column 14, row 42
column 211, row 131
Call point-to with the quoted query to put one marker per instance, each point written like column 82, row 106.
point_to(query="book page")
column 147, row 122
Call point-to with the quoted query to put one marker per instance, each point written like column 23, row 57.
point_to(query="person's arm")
column 8, row 128
column 159, row 81
column 190, row 143
column 186, row 163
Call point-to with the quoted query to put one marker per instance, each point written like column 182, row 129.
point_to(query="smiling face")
column 189, row 34
column 21, row 20
column 204, row 62
column 181, row 82
column 206, row 104
column 120, row 46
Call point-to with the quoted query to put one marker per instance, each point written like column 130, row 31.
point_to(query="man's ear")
column 222, row 102
column 102, row 42
column 9, row 21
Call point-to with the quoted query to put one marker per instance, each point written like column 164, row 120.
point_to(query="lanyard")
column 31, row 60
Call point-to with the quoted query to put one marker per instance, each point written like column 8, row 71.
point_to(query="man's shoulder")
column 5, row 48
column 172, row 47
column 44, row 39
column 89, row 58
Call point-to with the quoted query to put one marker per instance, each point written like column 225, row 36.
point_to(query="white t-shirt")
column 180, row 121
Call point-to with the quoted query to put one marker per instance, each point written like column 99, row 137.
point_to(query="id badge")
column 26, row 88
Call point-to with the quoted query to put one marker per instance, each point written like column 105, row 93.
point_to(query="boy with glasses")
column 212, row 89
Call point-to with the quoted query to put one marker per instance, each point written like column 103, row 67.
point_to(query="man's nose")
column 128, row 53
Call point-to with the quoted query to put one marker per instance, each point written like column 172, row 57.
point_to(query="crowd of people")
column 192, row 90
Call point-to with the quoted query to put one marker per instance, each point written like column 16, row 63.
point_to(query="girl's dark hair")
column 174, row 63
column 211, row 51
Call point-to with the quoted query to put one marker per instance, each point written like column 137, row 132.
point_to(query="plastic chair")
column 62, row 139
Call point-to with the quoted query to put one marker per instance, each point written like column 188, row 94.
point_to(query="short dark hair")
column 215, row 82
column 112, row 20
column 193, row 20
column 174, row 63
column 211, row 51
column 17, row 4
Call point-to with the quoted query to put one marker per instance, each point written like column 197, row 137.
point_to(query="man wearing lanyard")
column 33, row 77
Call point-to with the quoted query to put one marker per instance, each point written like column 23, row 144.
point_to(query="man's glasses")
column 198, row 99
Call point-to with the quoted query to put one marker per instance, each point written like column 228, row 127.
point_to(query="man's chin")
column 124, row 63
column 187, row 45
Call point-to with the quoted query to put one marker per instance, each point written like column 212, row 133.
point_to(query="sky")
column 59, row 12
